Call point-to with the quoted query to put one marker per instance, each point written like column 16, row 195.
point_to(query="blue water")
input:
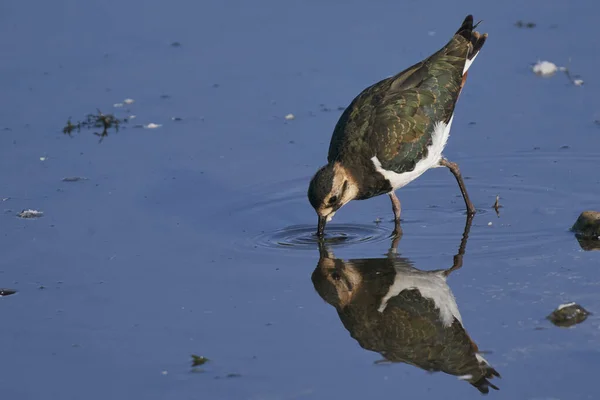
column 165, row 250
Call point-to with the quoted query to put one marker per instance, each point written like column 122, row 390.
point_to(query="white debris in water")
column 42, row 158
column 118, row 105
column 128, row 101
column 565, row 305
column 152, row 125
column 490, row 223
column 164, row 372
column 30, row 214
column 545, row 68
column 578, row 82
column 132, row 117
column 290, row 117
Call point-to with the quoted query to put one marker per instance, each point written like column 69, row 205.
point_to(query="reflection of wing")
column 430, row 285
column 419, row 336
column 410, row 316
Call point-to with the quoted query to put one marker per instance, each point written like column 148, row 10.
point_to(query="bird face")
column 329, row 190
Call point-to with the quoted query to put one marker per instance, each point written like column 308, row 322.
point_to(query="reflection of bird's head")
column 336, row 281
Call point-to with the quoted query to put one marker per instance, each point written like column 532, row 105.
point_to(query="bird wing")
column 394, row 119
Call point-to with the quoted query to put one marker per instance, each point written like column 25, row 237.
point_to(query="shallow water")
column 195, row 237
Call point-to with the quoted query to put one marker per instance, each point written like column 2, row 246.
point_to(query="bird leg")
column 453, row 167
column 397, row 210
column 458, row 258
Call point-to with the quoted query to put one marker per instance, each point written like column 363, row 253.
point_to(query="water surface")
column 173, row 244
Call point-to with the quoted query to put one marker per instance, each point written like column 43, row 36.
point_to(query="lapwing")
column 405, row 314
column 395, row 130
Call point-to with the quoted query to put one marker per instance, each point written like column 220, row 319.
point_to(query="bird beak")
column 321, row 226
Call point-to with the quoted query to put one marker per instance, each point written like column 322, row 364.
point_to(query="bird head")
column 330, row 188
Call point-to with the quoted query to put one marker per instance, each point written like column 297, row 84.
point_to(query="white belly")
column 441, row 132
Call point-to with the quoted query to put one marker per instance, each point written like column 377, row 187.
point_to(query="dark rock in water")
column 6, row 292
column 522, row 24
column 587, row 225
column 198, row 360
column 588, row 244
column 568, row 315
column 74, row 179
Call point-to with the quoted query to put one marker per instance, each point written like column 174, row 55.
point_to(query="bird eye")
column 336, row 276
column 332, row 199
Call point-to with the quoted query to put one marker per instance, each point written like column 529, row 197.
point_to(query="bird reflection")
column 405, row 314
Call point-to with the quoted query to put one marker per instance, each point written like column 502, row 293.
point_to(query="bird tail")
column 475, row 39
column 481, row 381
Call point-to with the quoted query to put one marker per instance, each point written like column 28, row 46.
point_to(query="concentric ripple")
column 303, row 237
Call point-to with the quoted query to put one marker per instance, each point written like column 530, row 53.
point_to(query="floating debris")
column 6, row 292
column 131, row 117
column 30, row 214
column 176, row 119
column 74, row 179
column 521, row 24
column 490, row 223
column 152, row 125
column 198, row 360
column 497, row 205
column 118, row 105
column 574, row 79
column 129, row 101
column 100, row 120
column 42, row 158
column 568, row 315
column 545, row 68
column 290, row 117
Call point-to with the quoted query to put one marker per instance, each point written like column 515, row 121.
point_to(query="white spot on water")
column 30, row 214
column 290, row 117
column 545, row 68
column 128, row 101
column 152, row 125
column 118, row 105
